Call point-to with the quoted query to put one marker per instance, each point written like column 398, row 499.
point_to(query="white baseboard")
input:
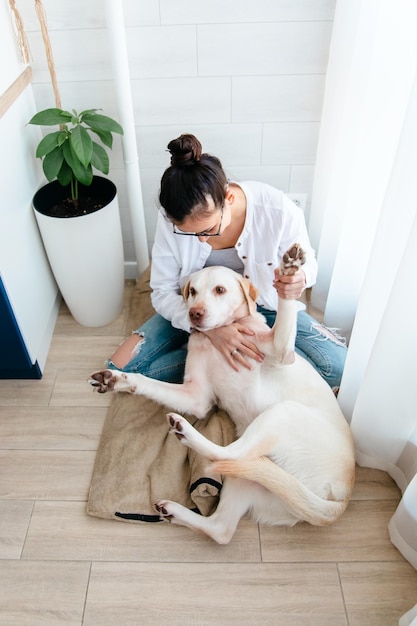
column 131, row 270
column 45, row 342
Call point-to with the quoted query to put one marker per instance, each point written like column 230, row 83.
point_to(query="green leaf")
column 50, row 117
column 100, row 160
column 65, row 174
column 105, row 136
column 49, row 142
column 63, row 136
column 83, row 174
column 52, row 163
column 88, row 111
column 82, row 145
column 102, row 122
column 68, row 155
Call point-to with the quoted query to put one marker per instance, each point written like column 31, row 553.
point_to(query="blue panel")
column 14, row 358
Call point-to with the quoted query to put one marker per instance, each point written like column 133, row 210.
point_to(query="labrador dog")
column 293, row 459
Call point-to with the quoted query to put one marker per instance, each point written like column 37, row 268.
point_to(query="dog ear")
column 250, row 292
column 186, row 290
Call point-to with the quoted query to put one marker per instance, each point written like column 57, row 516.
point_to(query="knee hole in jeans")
column 127, row 350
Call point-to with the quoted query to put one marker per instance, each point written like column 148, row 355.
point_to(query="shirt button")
column 244, row 257
column 247, row 276
column 239, row 244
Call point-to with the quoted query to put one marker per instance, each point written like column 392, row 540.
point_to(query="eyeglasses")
column 203, row 233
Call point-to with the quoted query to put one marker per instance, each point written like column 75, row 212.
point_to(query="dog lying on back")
column 293, row 459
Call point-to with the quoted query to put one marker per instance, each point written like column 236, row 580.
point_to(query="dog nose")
column 196, row 313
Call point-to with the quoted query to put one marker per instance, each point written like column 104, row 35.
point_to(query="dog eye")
column 219, row 289
column 192, row 291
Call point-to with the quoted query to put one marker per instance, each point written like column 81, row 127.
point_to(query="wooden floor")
column 60, row 566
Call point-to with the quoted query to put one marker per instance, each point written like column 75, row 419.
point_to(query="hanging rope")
column 22, row 40
column 48, row 49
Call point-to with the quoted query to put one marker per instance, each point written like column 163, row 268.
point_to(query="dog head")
column 217, row 296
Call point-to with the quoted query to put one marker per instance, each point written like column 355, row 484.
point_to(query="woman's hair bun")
column 185, row 150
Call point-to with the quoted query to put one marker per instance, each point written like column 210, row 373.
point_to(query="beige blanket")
column 138, row 462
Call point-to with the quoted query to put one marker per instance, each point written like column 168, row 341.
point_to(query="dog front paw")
column 292, row 260
column 112, row 380
column 103, row 381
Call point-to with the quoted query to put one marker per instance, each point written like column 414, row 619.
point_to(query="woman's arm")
column 166, row 294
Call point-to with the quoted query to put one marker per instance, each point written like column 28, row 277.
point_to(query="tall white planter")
column 86, row 255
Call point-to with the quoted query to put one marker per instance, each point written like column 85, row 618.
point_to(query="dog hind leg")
column 221, row 525
column 190, row 437
column 253, row 443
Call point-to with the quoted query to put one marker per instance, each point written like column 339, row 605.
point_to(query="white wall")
column 24, row 268
column 246, row 77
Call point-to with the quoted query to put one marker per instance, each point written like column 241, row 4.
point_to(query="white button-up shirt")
column 273, row 223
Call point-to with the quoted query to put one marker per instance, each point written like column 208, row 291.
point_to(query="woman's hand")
column 233, row 342
column 290, row 287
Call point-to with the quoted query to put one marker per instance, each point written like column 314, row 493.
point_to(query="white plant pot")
column 86, row 257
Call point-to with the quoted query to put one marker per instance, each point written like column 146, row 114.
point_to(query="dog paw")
column 179, row 426
column 103, row 381
column 292, row 260
column 111, row 380
column 164, row 509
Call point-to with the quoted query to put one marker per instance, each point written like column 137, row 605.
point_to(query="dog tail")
column 300, row 501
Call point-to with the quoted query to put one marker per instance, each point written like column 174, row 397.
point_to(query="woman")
column 207, row 220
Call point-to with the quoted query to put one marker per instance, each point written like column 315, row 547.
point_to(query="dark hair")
column 191, row 177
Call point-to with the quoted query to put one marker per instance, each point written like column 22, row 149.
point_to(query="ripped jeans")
column 163, row 351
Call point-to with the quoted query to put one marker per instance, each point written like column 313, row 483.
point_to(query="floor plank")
column 373, row 484
column 42, row 594
column 81, row 352
column 360, row 534
column 377, row 594
column 64, row 531
column 45, row 474
column 28, row 393
column 14, row 522
column 72, row 389
column 214, row 594
column 65, row 428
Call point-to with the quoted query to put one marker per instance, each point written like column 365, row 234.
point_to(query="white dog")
column 294, row 459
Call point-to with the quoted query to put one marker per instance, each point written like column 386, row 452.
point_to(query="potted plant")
column 78, row 215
